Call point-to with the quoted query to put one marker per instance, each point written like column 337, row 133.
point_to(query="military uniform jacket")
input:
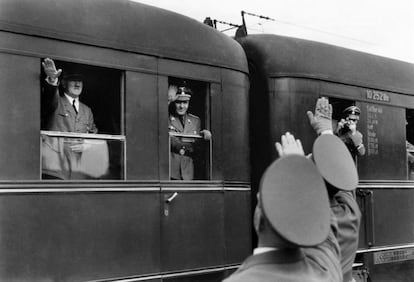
column 348, row 215
column 352, row 141
column 181, row 164
column 315, row 264
column 58, row 113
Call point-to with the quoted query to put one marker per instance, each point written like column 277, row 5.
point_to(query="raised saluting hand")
column 50, row 69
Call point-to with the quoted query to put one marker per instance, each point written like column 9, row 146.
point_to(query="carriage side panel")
column 19, row 117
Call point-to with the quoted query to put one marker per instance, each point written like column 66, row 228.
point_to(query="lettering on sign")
column 377, row 95
column 373, row 113
column 393, row 256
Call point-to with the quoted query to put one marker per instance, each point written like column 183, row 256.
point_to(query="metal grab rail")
column 185, row 135
column 82, row 135
column 385, row 248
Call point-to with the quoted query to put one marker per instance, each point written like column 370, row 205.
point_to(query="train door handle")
column 168, row 200
column 371, row 218
column 171, row 198
column 368, row 198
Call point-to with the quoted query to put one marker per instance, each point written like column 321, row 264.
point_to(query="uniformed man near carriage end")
column 287, row 217
column 347, row 131
column 182, row 123
column 341, row 178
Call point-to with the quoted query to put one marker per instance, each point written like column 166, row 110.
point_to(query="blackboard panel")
column 383, row 128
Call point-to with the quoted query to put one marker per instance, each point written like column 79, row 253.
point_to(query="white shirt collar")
column 261, row 250
column 71, row 101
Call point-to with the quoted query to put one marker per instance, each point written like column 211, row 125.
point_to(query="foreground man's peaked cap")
column 334, row 162
column 294, row 199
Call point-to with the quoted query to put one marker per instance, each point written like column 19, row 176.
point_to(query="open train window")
column 81, row 122
column 189, row 134
column 347, row 126
column 338, row 107
column 409, row 117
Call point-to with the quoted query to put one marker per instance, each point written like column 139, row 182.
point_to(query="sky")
column 381, row 27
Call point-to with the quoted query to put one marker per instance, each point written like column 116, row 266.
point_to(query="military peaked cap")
column 183, row 94
column 294, row 200
column 73, row 76
column 352, row 110
column 334, row 162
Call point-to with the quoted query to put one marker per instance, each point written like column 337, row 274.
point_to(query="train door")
column 192, row 203
column 198, row 214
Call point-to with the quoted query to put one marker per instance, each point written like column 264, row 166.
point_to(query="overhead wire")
column 316, row 30
column 299, row 26
column 267, row 19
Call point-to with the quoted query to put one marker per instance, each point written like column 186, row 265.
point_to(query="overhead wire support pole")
column 226, row 23
column 254, row 15
column 244, row 23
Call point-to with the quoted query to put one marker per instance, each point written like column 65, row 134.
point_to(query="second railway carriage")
column 117, row 215
column 287, row 76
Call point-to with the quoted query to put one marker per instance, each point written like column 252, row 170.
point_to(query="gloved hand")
column 206, row 134
column 356, row 138
column 321, row 121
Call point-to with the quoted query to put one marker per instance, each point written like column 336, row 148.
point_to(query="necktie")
column 74, row 107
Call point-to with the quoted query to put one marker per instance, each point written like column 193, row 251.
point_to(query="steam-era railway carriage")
column 287, row 76
column 117, row 215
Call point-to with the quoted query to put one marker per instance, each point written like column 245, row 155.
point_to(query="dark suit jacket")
column 181, row 164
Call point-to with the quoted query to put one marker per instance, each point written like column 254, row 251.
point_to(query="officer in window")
column 347, row 131
column 63, row 111
column 66, row 158
column 183, row 123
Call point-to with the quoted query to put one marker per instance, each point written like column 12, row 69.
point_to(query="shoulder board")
column 193, row 116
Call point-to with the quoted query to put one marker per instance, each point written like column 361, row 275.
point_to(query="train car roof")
column 280, row 56
column 123, row 25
